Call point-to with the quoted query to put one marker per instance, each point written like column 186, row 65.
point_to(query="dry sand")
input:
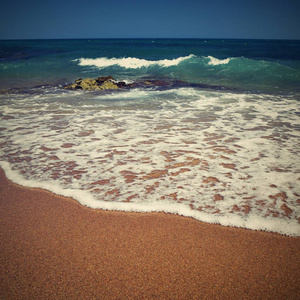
column 53, row 248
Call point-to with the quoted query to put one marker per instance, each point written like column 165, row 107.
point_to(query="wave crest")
column 215, row 61
column 130, row 62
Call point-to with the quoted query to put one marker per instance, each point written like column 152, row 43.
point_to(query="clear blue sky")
column 36, row 19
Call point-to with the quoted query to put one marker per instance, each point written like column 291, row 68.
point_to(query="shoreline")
column 54, row 248
column 84, row 199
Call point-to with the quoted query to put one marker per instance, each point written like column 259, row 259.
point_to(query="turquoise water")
column 222, row 147
column 249, row 65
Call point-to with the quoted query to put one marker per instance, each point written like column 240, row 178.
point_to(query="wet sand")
column 53, row 248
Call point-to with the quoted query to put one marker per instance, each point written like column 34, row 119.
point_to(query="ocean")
column 219, row 143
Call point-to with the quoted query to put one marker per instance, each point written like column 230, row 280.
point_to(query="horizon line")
column 150, row 38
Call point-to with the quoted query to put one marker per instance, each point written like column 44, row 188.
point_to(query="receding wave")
column 186, row 151
column 130, row 62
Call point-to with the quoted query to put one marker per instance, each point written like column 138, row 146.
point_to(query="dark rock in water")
column 4, row 91
column 104, row 78
column 109, row 83
column 99, row 84
column 122, row 84
column 90, row 84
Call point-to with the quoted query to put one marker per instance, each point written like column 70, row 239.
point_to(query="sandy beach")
column 53, row 248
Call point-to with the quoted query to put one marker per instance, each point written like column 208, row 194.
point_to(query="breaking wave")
column 137, row 63
column 214, row 61
column 130, row 62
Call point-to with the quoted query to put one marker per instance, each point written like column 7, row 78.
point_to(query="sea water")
column 221, row 147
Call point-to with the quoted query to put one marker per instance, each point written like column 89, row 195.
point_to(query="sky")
column 56, row 19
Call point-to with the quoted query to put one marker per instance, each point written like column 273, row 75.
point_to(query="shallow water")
column 223, row 157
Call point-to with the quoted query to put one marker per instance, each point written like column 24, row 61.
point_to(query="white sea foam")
column 253, row 221
column 215, row 61
column 186, row 151
column 130, row 62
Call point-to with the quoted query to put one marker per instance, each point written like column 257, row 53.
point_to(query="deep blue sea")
column 221, row 147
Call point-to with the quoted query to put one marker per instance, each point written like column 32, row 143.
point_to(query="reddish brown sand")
column 53, row 248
